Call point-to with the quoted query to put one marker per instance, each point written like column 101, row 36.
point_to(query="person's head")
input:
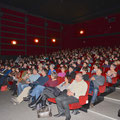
column 78, row 77
column 17, row 70
column 78, row 61
column 63, row 69
column 44, row 72
column 40, row 66
column 54, row 75
column 68, row 79
column 46, row 66
column 29, row 71
column 112, row 67
column 25, row 65
column 13, row 69
column 96, row 66
column 106, row 62
column 52, row 66
column 35, row 71
column 9, row 68
column 99, row 72
column 74, row 64
column 29, row 66
column 6, row 67
column 33, row 66
column 85, row 64
column 71, row 68
column 84, row 70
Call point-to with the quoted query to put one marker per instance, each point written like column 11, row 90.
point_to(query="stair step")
column 107, row 109
column 113, row 97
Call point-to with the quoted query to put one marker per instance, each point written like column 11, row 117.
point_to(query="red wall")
column 24, row 28
column 98, row 32
column 14, row 26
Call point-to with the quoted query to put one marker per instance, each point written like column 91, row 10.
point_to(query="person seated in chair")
column 5, row 74
column 96, row 81
column 62, row 73
column 24, row 93
column 29, row 78
column 36, row 92
column 111, row 73
column 52, row 66
column 71, row 72
column 96, row 67
column 77, row 88
column 85, row 75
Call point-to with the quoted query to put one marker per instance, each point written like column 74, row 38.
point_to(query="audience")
column 31, row 75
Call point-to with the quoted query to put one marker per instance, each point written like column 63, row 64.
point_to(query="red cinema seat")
column 82, row 100
column 89, row 73
column 60, row 80
column 114, row 81
column 77, row 72
column 10, row 82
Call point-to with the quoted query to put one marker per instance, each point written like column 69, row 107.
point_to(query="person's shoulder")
column 84, row 83
column 38, row 75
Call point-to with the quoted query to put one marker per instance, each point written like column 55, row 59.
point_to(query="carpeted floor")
column 8, row 111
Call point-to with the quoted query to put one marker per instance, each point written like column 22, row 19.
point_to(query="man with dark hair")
column 85, row 75
column 96, row 81
column 71, row 72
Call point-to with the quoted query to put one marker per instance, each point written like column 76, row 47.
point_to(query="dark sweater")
column 41, row 80
column 86, row 77
column 72, row 74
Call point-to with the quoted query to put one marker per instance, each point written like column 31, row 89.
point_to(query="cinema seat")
column 114, row 81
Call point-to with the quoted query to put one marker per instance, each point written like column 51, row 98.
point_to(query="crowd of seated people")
column 30, row 77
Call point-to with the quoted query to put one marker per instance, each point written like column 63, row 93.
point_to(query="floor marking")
column 101, row 115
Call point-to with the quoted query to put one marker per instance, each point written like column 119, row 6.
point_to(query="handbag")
column 54, row 90
column 44, row 111
column 4, row 88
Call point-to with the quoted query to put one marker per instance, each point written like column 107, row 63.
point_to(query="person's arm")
column 7, row 73
column 100, row 81
column 115, row 74
column 69, row 93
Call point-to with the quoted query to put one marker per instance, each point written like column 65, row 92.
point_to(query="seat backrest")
column 102, row 88
column 114, row 80
column 60, row 80
column 88, row 83
column 84, row 99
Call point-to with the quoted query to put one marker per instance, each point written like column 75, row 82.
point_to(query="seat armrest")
column 83, row 100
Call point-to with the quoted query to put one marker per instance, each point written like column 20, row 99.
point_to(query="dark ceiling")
column 67, row 11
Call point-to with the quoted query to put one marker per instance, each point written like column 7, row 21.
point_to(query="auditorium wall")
column 103, row 31
column 24, row 28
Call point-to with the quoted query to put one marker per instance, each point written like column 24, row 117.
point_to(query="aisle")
column 22, row 112
column 109, row 107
